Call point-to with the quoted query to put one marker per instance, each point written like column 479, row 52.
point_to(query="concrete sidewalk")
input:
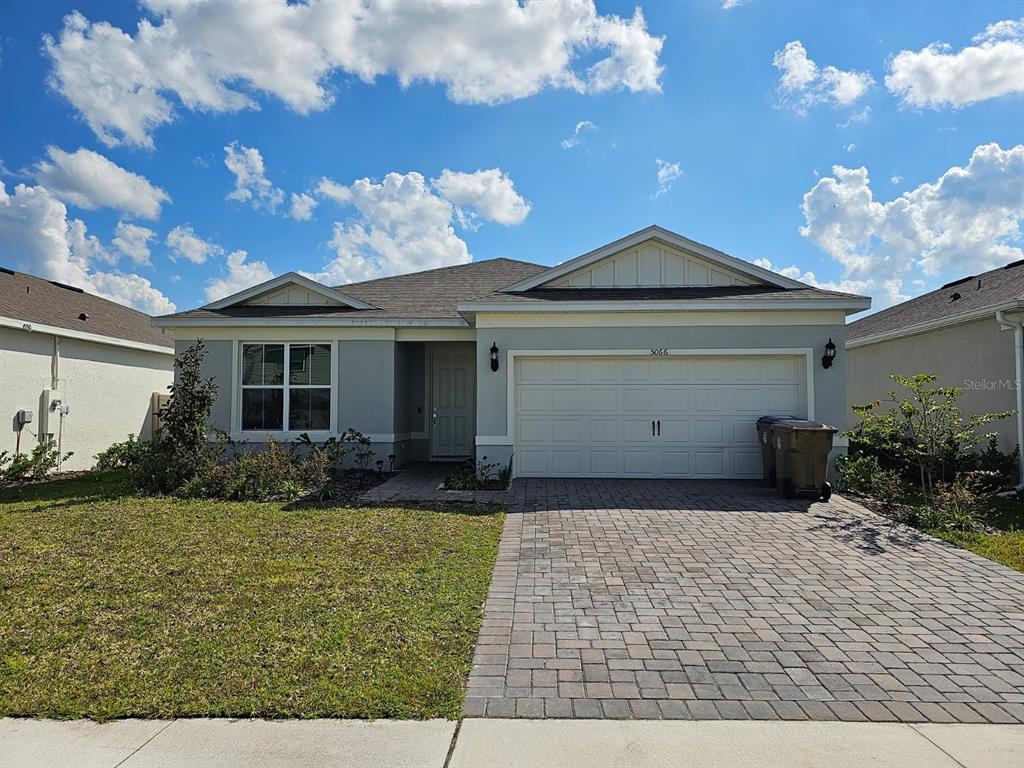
column 481, row 743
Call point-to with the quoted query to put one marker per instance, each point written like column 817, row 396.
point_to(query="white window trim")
column 509, row 438
column 258, row 436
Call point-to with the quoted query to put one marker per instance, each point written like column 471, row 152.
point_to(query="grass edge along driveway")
column 113, row 605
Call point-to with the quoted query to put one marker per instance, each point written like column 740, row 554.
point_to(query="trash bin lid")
column 773, row 419
column 803, row 425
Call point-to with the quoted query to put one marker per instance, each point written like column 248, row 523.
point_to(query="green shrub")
column 955, row 506
column 126, row 455
column 34, row 465
column 922, row 434
column 856, row 473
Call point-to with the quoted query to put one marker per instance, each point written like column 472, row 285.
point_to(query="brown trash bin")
column 801, row 457
column 764, row 427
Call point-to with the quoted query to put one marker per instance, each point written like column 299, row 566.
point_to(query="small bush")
column 955, row 506
column 126, row 455
column 34, row 465
column 856, row 473
column 479, row 475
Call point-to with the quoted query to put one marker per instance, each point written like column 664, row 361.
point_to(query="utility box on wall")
column 50, row 412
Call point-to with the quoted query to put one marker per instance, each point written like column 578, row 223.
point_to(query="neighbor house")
column 649, row 357
column 968, row 332
column 75, row 368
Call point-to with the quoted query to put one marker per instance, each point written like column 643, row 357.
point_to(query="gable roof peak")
column 670, row 238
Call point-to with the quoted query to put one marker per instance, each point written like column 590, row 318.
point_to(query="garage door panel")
column 567, row 399
column 603, row 399
column 604, row 430
column 532, row 430
column 591, row 416
column 637, row 430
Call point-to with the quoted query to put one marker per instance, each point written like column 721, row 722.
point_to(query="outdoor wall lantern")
column 494, row 356
column 830, row 354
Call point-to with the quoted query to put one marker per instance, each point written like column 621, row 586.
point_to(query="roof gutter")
column 932, row 325
column 1018, row 354
column 69, row 333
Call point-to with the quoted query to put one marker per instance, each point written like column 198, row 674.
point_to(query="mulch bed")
column 353, row 483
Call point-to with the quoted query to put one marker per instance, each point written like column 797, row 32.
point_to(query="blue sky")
column 738, row 149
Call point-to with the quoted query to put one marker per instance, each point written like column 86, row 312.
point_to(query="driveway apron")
column 719, row 600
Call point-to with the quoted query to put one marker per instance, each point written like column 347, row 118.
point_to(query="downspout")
column 1018, row 354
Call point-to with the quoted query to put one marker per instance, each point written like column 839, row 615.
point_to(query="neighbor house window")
column 286, row 387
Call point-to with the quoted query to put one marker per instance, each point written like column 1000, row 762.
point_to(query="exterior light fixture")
column 494, row 356
column 830, row 354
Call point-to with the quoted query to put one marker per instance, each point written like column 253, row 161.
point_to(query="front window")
column 297, row 402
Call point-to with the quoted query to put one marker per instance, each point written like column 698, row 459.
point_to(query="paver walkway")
column 709, row 599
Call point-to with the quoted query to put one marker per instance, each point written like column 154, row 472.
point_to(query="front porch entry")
column 452, row 413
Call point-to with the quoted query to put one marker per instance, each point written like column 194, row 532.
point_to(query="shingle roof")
column 436, row 293
column 975, row 292
column 432, row 294
column 35, row 300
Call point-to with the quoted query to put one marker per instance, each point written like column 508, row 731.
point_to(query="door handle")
column 659, row 427
column 652, row 427
column 435, row 417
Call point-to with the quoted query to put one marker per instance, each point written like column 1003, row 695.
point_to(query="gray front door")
column 452, row 390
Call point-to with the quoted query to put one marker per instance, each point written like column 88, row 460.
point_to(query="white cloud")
column 184, row 243
column 489, row 194
column 35, row 231
column 728, row 5
column 968, row 220
column 401, row 225
column 857, row 117
column 936, row 77
column 251, row 183
column 302, row 206
column 241, row 274
column 894, row 180
column 334, row 191
column 850, row 147
column 89, row 180
column 404, row 223
column 218, row 57
column 803, row 84
column 582, row 127
column 667, row 173
column 133, row 241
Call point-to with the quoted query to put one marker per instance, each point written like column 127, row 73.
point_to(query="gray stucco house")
column 651, row 356
column 968, row 332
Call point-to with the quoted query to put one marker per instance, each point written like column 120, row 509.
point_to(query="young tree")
column 924, row 429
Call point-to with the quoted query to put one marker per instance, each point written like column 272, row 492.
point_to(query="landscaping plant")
column 34, row 465
column 922, row 431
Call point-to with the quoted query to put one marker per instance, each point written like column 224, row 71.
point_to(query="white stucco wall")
column 109, row 390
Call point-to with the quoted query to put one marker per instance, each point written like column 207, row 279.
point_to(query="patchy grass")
column 113, row 605
column 1004, row 544
column 1005, row 548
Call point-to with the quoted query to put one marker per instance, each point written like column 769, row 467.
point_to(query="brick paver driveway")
column 708, row 599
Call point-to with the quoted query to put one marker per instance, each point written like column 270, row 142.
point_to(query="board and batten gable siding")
column 977, row 356
column 109, row 390
column 828, row 387
column 292, row 295
column 651, row 264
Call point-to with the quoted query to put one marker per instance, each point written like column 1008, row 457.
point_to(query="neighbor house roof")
column 960, row 300
column 25, row 299
column 429, row 295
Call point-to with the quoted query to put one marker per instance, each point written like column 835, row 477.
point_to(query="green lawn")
column 114, row 606
column 1006, row 545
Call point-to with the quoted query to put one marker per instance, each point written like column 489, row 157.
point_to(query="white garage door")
column 644, row 416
